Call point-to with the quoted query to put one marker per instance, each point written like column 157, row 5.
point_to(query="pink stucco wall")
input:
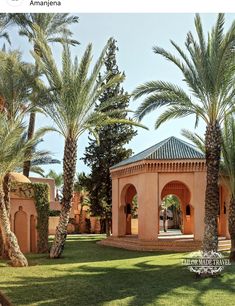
column 149, row 178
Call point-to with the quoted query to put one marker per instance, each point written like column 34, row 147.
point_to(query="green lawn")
column 90, row 274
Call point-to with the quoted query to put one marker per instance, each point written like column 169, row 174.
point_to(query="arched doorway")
column 130, row 207
column 181, row 192
column 170, row 213
column 21, row 232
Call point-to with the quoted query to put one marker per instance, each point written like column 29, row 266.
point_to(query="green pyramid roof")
column 169, row 149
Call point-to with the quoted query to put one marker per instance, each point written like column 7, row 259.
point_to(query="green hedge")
column 41, row 197
column 54, row 213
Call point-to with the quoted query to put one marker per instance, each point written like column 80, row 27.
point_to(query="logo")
column 15, row 2
column 210, row 263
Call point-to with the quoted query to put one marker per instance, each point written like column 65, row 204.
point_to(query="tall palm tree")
column 55, row 28
column 208, row 68
column 13, row 149
column 228, row 174
column 227, row 168
column 17, row 84
column 75, row 93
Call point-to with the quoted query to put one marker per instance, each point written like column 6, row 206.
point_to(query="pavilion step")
column 153, row 248
column 155, row 242
column 224, row 245
column 160, row 244
column 151, row 245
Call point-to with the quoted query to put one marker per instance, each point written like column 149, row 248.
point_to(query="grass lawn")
column 90, row 274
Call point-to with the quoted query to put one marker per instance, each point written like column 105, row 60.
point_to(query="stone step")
column 153, row 242
column 224, row 245
column 155, row 248
column 151, row 245
column 179, row 245
column 224, row 242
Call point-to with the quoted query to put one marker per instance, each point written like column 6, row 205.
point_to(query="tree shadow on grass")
column 143, row 283
column 90, row 274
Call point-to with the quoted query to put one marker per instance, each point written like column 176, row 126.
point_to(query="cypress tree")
column 111, row 147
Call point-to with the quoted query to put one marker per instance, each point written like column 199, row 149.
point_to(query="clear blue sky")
column 136, row 34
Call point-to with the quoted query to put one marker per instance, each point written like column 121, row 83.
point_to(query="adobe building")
column 23, row 212
column 171, row 167
column 80, row 220
column 24, row 216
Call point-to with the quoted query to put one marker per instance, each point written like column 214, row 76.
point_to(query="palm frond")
column 15, row 148
column 196, row 139
column 208, row 69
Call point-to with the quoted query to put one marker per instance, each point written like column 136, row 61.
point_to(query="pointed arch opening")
column 176, row 209
column 129, row 201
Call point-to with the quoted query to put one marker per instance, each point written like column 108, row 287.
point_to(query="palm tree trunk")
column 31, row 128
column 80, row 219
column 69, row 169
column 4, row 300
column 6, row 190
column 213, row 150
column 1, row 243
column 175, row 217
column 32, row 117
column 107, row 227
column 164, row 219
column 232, row 227
column 16, row 256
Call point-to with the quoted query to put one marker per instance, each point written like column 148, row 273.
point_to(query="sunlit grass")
column 89, row 274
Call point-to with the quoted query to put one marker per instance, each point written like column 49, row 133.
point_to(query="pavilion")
column 170, row 167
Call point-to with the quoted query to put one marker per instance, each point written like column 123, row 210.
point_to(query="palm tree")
column 227, row 168
column 55, row 29
column 195, row 138
column 75, row 94
column 80, row 186
column 58, row 178
column 84, row 200
column 16, row 84
column 208, row 70
column 3, row 25
column 42, row 161
column 13, row 151
column 54, row 26
column 82, row 182
column 228, row 174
